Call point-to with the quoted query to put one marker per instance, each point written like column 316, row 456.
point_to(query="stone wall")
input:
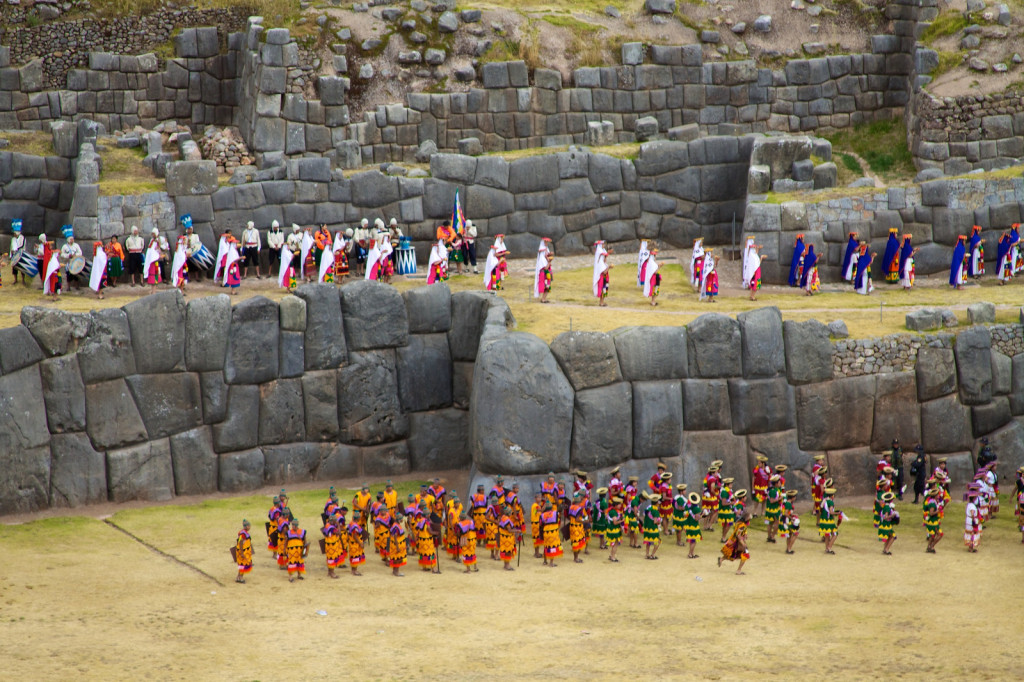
column 959, row 134
column 162, row 398
column 732, row 389
column 37, row 189
column 934, row 212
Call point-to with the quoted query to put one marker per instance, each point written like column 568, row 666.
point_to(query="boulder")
column 64, row 393
column 987, row 418
column 521, row 395
column 106, row 353
column 190, row 178
column 215, row 396
column 168, row 403
column 837, row 329
column 706, row 405
column 439, row 440
column 713, row 347
column 24, row 443
column 18, row 349
column 602, row 431
column 853, row 470
column 1008, row 444
column 141, row 472
column 239, row 472
column 1017, row 385
column 762, row 343
column 981, row 313
column 56, row 331
column 657, row 419
column 974, row 365
column 289, row 463
column 428, row 309
column 782, row 448
column 469, row 309
column 896, row 411
column 835, row 414
column 325, row 334
column 112, row 419
column 651, row 353
column 935, row 373
column 808, row 352
column 761, row 405
column 194, row 462
column 660, row 6
column 368, row 407
column 374, row 315
column 945, row 425
column 240, row 428
column 207, row 321
column 1002, row 373
column 293, row 313
column 281, row 413
column 335, row 461
column 424, row 373
column 253, row 338
column 588, row 359
column 700, row 448
column 389, row 459
column 78, row 473
column 320, row 405
column 157, row 324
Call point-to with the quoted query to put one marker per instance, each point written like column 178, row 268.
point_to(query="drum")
column 76, row 265
column 87, row 269
column 202, row 258
column 406, row 261
column 27, row 263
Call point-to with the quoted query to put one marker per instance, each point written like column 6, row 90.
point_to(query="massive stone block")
column 374, row 315
column 782, row 448
column 960, row 466
column 651, row 353
column 706, row 405
column 18, row 349
column 763, row 350
column 657, row 419
column 522, row 407
column 335, row 461
column 439, row 440
column 289, row 463
column 106, row 353
column 194, row 462
column 700, row 448
column 215, row 396
column 112, row 419
column 1008, row 443
column 896, row 412
column 974, row 365
column 389, row 459
column 945, row 425
column 325, row 333
column 320, row 405
column 168, row 403
column 240, row 428
column 207, row 321
column 853, row 471
column 428, row 309
column 836, row 414
column 588, row 359
column 713, row 347
column 141, row 472
column 368, row 407
column 64, row 393
column 1017, row 385
column 1002, row 373
column 602, row 428
column 78, row 472
column 281, row 413
column 157, row 324
column 24, row 443
column 808, row 352
column 469, row 309
column 935, row 373
column 252, row 352
column 424, row 373
column 240, row 471
column 988, row 418
column 761, row 405
column 56, row 331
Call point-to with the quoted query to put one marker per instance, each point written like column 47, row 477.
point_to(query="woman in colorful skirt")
column 243, row 552
column 425, row 546
column 932, row 520
column 736, row 546
column 398, row 550
column 551, row 533
column 679, row 513
column 652, row 526
column 334, row 544
column 577, row 533
column 507, row 534
column 602, row 273
column 691, row 524
column 613, row 529
column 115, row 261
column 726, row 513
column 790, row 524
column 632, row 514
column 828, row 520
column 972, row 521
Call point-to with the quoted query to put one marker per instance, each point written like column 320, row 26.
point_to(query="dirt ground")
column 81, row 598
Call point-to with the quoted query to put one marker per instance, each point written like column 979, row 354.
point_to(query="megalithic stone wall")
column 163, row 397
column 731, row 389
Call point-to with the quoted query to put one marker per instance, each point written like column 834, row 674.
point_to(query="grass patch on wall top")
column 883, row 144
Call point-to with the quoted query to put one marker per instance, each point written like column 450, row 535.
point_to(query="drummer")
column 69, row 252
column 136, row 245
column 17, row 249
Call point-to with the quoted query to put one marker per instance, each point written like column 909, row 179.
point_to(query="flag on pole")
column 458, row 217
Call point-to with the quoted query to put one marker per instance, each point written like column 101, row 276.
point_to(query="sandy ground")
column 82, row 599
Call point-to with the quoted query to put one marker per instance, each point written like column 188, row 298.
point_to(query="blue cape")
column 810, row 260
column 851, row 247
column 798, row 250
column 957, row 262
column 863, row 269
column 892, row 249
column 905, row 250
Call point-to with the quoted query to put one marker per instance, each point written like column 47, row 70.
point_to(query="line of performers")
column 968, row 262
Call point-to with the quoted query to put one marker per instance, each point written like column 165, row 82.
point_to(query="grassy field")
column 83, row 599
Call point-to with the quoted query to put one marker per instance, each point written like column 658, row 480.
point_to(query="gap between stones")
column 157, row 550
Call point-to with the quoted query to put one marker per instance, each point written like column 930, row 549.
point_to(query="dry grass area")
column 91, row 602
column 124, row 173
column 33, row 142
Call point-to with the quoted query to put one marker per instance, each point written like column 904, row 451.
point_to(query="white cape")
column 644, row 254
column 232, row 257
column 600, row 265
column 542, row 262
column 282, row 274
column 751, row 262
column 51, row 267
column 708, row 267
column 652, row 267
column 698, row 252
column 492, row 262
column 152, row 256
column 326, row 262
column 99, row 268
column 178, row 266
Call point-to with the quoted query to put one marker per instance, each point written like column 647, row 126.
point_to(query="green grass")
column 850, row 163
column 883, row 144
column 123, row 173
column 946, row 24
column 948, row 60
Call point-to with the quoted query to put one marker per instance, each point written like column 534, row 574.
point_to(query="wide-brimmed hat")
column 887, row 497
column 694, row 498
column 680, row 486
column 762, row 458
column 774, row 478
column 602, row 491
column 781, row 467
column 791, row 493
column 740, row 494
column 728, row 480
column 667, row 476
column 830, row 491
